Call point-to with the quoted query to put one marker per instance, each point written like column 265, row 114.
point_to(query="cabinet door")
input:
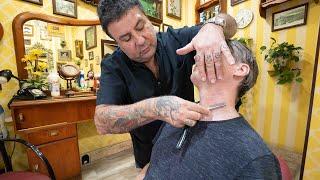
column 63, row 156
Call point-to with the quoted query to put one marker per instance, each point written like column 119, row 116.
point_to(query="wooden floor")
column 120, row 166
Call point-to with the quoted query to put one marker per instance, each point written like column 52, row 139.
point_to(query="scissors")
column 186, row 128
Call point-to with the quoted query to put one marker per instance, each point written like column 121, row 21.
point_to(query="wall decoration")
column 292, row 17
column 235, row 2
column 27, row 30
column 65, row 7
column 55, row 30
column 44, row 34
column 244, row 18
column 39, row 2
column 98, row 60
column 174, row 8
column 27, row 42
column 91, row 37
column 64, row 55
column 91, row 55
column 165, row 27
column 79, row 48
column 107, row 47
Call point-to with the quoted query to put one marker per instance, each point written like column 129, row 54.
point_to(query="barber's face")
column 135, row 35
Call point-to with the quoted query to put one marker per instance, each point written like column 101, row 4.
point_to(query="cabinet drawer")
column 62, row 155
column 51, row 134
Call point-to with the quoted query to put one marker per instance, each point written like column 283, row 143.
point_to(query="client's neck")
column 212, row 96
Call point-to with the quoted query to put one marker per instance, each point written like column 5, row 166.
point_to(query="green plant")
column 284, row 58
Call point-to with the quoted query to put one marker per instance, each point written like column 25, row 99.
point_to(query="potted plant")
column 283, row 58
column 35, row 67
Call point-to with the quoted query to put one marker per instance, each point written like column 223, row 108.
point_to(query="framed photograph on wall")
column 65, row 8
column 165, row 27
column 91, row 37
column 292, row 17
column 107, row 47
column 91, row 55
column 235, row 2
column 79, row 48
column 27, row 42
column 39, row 2
column 28, row 30
column 64, row 55
column 174, row 8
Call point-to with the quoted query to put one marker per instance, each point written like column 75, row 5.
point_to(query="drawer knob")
column 35, row 168
column 53, row 133
column 20, row 117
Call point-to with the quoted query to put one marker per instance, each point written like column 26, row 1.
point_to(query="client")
column 222, row 145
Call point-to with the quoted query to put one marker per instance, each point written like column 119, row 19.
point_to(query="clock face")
column 69, row 70
column 243, row 18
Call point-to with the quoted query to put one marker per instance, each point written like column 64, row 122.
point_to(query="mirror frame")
column 17, row 30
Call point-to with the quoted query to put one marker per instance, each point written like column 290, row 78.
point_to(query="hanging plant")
column 283, row 58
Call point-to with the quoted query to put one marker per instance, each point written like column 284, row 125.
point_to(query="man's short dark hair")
column 112, row 10
column 243, row 54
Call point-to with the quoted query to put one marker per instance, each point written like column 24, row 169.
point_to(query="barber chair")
column 9, row 175
column 285, row 171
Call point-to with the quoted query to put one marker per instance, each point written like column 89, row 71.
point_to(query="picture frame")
column 291, row 17
column 165, row 27
column 91, row 55
column 65, row 8
column 27, row 42
column 156, row 27
column 107, row 47
column 38, row 2
column 64, row 55
column 174, row 9
column 235, row 2
column 28, row 30
column 79, row 48
column 91, row 37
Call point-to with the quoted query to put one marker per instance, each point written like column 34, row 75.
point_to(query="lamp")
column 6, row 75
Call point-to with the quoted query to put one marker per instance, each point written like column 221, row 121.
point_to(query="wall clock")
column 244, row 18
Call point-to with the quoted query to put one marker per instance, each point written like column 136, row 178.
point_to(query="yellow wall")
column 279, row 112
column 312, row 164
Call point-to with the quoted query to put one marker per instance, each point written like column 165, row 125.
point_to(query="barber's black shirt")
column 124, row 81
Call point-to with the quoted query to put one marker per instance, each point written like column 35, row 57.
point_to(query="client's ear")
column 241, row 69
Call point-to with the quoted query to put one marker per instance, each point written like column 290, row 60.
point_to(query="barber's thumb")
column 185, row 50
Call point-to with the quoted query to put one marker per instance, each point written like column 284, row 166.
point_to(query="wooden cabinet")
column 207, row 8
column 51, row 125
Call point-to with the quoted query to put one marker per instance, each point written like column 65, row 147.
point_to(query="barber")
column 146, row 80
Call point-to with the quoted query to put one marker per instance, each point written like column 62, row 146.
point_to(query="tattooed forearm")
column 167, row 106
column 121, row 119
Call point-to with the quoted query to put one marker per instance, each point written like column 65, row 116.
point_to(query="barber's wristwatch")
column 217, row 21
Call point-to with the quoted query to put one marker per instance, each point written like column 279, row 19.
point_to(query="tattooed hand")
column 178, row 112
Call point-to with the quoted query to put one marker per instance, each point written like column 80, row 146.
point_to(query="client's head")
column 237, row 79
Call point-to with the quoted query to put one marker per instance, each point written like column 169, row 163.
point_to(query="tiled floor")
column 120, row 167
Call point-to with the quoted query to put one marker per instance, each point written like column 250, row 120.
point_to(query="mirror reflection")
column 84, row 46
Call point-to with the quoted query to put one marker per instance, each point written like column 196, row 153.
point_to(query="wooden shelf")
column 207, row 5
column 200, row 8
column 265, row 4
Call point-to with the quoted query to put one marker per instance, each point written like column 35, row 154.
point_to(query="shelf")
column 265, row 4
column 207, row 5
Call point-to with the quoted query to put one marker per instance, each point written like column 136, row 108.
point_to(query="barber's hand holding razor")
column 179, row 112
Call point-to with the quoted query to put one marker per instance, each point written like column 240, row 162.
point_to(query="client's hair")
column 242, row 54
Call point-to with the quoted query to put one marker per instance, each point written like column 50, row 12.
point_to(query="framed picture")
column 39, row 2
column 165, row 27
column 174, row 8
column 235, row 2
column 65, row 8
column 107, row 47
column 292, row 17
column 79, row 48
column 55, row 30
column 91, row 55
column 27, row 30
column 64, row 55
column 91, row 37
column 156, row 27
column 27, row 42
